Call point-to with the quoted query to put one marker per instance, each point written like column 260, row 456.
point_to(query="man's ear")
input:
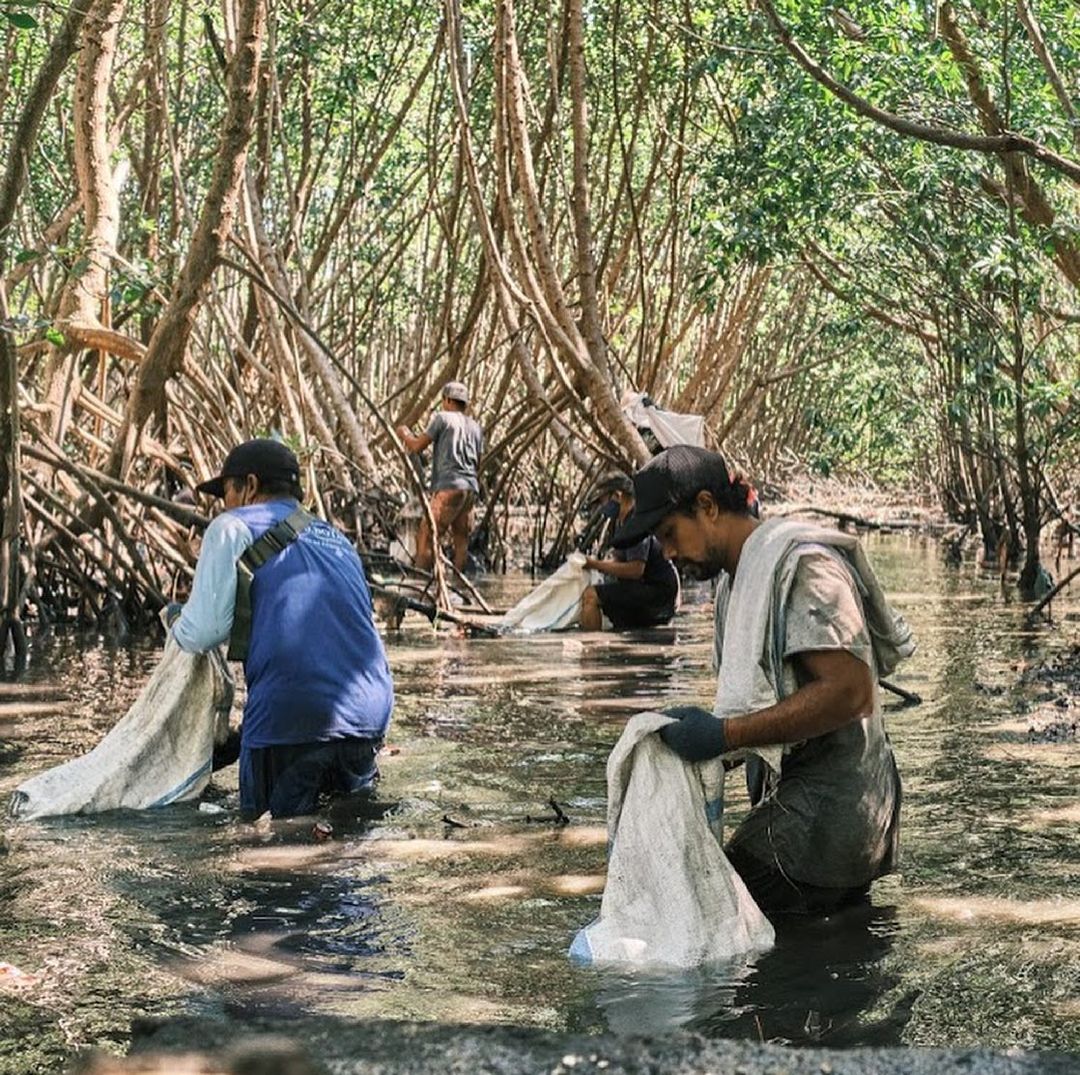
column 705, row 502
column 251, row 488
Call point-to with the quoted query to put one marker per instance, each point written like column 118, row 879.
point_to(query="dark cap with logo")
column 668, row 481
column 268, row 460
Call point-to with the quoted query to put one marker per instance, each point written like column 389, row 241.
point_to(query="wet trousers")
column 777, row 894
column 288, row 780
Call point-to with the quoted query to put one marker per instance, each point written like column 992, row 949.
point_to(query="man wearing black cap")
column 289, row 593
column 792, row 634
column 642, row 588
column 459, row 443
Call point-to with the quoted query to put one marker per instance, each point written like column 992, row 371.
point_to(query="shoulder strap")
column 278, row 537
column 273, row 541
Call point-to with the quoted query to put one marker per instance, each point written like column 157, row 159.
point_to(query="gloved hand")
column 696, row 734
column 170, row 614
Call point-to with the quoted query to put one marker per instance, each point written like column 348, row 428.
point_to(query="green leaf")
column 21, row 20
column 24, row 256
column 55, row 337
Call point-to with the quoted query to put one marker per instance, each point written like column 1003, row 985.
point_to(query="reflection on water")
column 817, row 984
column 454, row 896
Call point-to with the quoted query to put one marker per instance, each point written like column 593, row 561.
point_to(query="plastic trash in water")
column 211, row 808
column 322, row 830
column 11, row 975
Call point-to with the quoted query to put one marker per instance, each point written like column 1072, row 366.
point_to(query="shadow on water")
column 454, row 896
column 815, row 986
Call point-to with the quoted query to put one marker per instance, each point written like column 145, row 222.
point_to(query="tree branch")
column 1007, row 142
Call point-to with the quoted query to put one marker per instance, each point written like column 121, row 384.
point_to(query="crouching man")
column 802, row 633
column 642, row 587
column 289, row 593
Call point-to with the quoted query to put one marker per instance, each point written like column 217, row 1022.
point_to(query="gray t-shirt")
column 832, row 817
column 457, row 443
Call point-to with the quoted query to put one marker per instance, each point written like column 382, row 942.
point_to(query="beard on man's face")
column 707, row 568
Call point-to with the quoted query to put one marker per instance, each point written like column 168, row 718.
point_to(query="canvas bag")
column 160, row 752
column 555, row 604
column 672, row 898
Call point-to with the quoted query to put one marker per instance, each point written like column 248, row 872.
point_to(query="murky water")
column 454, row 896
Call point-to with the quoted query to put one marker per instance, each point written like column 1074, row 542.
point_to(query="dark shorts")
column 288, row 780
column 777, row 894
column 636, row 604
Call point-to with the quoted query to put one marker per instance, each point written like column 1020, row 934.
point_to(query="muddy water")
column 454, row 896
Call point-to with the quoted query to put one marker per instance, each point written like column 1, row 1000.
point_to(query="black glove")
column 696, row 734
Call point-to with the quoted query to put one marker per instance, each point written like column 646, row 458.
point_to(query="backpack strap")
column 279, row 537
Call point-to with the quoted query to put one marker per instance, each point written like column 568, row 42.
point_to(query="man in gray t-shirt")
column 457, row 443
column 825, row 824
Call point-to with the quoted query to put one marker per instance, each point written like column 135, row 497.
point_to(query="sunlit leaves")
column 904, row 226
column 16, row 14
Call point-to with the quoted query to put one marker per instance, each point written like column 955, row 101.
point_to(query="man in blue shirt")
column 320, row 692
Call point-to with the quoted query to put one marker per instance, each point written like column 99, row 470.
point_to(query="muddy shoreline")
column 1055, row 716
column 395, row 1048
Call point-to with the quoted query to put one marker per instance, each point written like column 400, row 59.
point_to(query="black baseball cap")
column 614, row 481
column 668, row 481
column 268, row 460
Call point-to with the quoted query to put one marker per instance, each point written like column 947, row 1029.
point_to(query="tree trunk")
column 168, row 344
column 80, row 309
column 583, row 232
column 544, row 281
column 22, row 144
column 24, row 139
column 1035, row 208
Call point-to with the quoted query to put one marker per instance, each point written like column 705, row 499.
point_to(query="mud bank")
column 393, row 1048
column 1054, row 687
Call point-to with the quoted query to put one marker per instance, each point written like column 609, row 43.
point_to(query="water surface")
column 405, row 914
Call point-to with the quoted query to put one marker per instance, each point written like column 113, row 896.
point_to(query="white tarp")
column 160, row 752
column 668, row 426
column 672, row 898
column 555, row 604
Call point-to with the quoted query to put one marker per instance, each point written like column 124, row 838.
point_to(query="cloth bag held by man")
column 554, row 604
column 159, row 753
column 671, row 898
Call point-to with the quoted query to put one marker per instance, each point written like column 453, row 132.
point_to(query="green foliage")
column 16, row 14
column 925, row 291
column 900, row 226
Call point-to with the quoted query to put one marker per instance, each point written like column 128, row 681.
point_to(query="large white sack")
column 160, row 752
column 669, row 427
column 554, row 604
column 672, row 898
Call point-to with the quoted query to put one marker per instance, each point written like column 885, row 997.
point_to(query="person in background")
column 643, row 590
column 827, row 824
column 319, row 689
column 458, row 443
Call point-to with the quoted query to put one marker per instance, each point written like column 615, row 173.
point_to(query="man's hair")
column 278, row 487
column 455, row 404
column 731, row 493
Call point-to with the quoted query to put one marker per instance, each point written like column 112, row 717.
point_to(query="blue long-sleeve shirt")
column 316, row 669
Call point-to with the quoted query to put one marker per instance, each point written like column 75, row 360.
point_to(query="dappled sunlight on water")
column 981, row 908
column 455, row 894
